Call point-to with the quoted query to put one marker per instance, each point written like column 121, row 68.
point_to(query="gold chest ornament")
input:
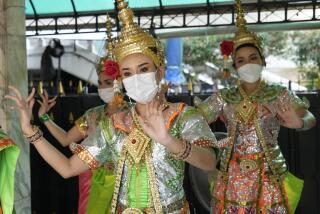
column 246, row 108
column 136, row 144
column 137, row 141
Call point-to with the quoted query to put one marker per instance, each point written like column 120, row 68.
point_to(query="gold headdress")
column 109, row 47
column 243, row 35
column 133, row 39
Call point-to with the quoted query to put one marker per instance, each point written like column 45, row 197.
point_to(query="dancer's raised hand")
column 24, row 105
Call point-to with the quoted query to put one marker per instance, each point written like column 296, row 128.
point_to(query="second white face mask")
column 141, row 87
column 106, row 94
column 250, row 72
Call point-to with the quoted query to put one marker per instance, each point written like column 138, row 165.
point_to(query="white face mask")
column 250, row 72
column 106, row 94
column 141, row 87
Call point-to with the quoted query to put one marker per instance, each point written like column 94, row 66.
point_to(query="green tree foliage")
column 306, row 46
column 198, row 50
column 306, row 53
column 275, row 43
column 303, row 47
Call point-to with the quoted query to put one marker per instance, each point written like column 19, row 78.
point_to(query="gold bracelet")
column 34, row 129
column 178, row 154
column 35, row 136
column 185, row 152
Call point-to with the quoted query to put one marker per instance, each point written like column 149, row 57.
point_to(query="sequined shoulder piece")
column 93, row 114
column 268, row 93
column 231, row 95
column 188, row 113
column 100, row 108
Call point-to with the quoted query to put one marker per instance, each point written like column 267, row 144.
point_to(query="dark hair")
column 154, row 49
column 248, row 45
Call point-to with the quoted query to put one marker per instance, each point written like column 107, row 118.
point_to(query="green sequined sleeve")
column 193, row 127
column 210, row 108
column 288, row 98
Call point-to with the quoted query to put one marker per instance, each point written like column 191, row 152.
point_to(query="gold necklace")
column 137, row 141
column 247, row 108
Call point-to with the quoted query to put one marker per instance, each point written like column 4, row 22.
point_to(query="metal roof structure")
column 49, row 17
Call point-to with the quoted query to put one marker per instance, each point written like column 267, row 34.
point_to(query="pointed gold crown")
column 109, row 47
column 243, row 35
column 133, row 39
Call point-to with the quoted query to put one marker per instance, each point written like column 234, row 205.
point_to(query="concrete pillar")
column 13, row 72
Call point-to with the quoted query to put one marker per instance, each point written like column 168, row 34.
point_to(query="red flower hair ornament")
column 226, row 47
column 111, row 68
